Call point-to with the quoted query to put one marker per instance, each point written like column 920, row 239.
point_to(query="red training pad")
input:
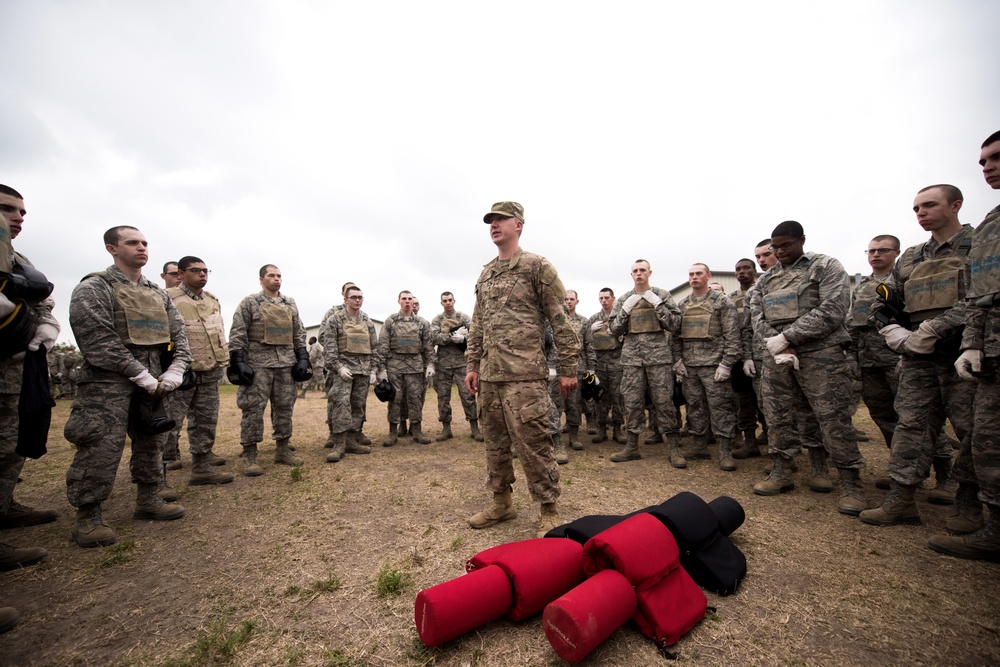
column 540, row 569
column 579, row 621
column 640, row 547
column 669, row 609
column 454, row 607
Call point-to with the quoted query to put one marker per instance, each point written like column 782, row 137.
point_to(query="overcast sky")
column 365, row 141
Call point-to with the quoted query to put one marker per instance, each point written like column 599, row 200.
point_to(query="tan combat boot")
column 654, row 439
column 416, row 430
column 215, row 460
column 699, row 450
column 402, row 432
column 250, row 467
column 354, row 445
column 852, row 493
column 90, row 529
column 364, row 439
column 631, row 451
column 677, row 459
column 574, row 438
column 202, row 473
column 602, row 435
column 339, row 448
column 968, row 516
column 477, row 435
column 164, row 491
column 777, row 481
column 283, row 455
column 944, row 489
column 819, row 480
column 750, row 447
column 393, row 436
column 984, row 544
column 445, row 433
column 726, row 462
column 148, row 505
column 559, row 447
column 501, row 510
column 329, row 440
column 618, row 435
column 548, row 519
column 897, row 507
column 12, row 557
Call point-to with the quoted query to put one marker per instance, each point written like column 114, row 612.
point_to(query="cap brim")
column 486, row 218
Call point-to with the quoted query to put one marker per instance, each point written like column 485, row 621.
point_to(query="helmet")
column 591, row 388
column 384, row 391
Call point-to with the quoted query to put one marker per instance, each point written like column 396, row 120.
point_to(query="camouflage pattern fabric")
column 444, row 379
column 396, row 362
column 347, row 402
column 276, row 385
column 259, row 354
column 448, row 353
column 652, row 348
column 609, row 369
column 410, row 389
column 10, row 462
column 710, row 404
column 879, row 388
column 659, row 382
column 985, row 441
column 200, row 406
column 514, row 417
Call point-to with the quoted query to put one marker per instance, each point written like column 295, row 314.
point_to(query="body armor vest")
column 205, row 329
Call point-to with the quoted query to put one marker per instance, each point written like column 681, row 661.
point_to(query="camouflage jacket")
column 604, row 359
column 12, row 369
column 982, row 313
column 388, row 356
column 106, row 357
column 723, row 348
column 448, row 353
column 258, row 353
column 647, row 349
column 867, row 344
column 820, row 327
column 507, row 336
column 741, row 299
column 331, row 332
column 588, row 357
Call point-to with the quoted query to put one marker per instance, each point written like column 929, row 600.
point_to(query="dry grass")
column 276, row 570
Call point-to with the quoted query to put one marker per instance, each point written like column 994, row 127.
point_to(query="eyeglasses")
column 172, row 273
column 784, row 246
column 880, row 251
column 356, row 297
column 205, row 271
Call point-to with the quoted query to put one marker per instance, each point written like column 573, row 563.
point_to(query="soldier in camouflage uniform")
column 268, row 337
column 608, row 352
column 123, row 323
column 206, row 332
column 572, row 405
column 645, row 316
column 979, row 364
column 71, row 362
column 171, row 275
column 706, row 347
column 798, row 308
column 318, row 382
column 362, row 438
column 515, row 294
column 932, row 279
column 406, row 358
column 12, row 513
column 449, row 331
column 747, row 405
column 349, row 346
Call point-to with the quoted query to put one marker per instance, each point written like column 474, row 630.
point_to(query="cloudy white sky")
column 364, row 141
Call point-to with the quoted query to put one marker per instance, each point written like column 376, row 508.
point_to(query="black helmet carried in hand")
column 591, row 388
column 384, row 391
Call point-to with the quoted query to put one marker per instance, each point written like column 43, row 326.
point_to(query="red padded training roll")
column 448, row 610
column 580, row 620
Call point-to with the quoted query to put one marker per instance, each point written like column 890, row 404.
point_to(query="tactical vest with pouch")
column 140, row 318
column 984, row 258
column 863, row 299
column 353, row 337
column 934, row 285
column 604, row 340
column 275, row 325
column 787, row 299
column 698, row 322
column 405, row 338
column 205, row 329
column 642, row 319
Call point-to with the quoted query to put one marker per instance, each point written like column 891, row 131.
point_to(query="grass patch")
column 337, row 658
column 457, row 543
column 390, row 581
column 119, row 554
column 216, row 644
column 328, row 585
column 296, row 473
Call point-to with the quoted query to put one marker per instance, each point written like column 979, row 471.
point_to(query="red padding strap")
column 540, row 569
column 580, row 620
column 448, row 610
column 669, row 609
column 640, row 547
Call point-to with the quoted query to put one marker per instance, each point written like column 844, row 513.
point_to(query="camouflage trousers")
column 806, row 425
column 710, row 404
column 409, row 401
column 572, row 404
column 611, row 401
column 821, row 387
column 759, row 365
column 200, row 405
column 514, row 417
column 346, row 402
column 269, row 384
column 879, row 385
column 986, row 435
column 555, row 409
column 10, row 462
column 929, row 392
column 659, row 381
column 98, row 426
column 443, row 380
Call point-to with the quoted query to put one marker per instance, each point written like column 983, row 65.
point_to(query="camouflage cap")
column 506, row 209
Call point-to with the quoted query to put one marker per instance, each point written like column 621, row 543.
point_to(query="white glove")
column 722, row 373
column 382, row 375
column 345, row 374
column 787, row 360
column 46, row 335
column 895, row 336
column 630, row 303
column 776, row 344
column 459, row 335
column 371, row 378
column 146, row 381
column 429, row 373
column 680, row 370
column 171, row 379
column 596, row 326
column 749, row 369
column 553, row 374
column 969, row 362
column 6, row 306
column 650, row 296
column 921, row 341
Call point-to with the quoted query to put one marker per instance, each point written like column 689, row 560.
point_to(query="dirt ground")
column 320, row 565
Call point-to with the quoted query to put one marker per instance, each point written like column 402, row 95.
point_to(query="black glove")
column 239, row 372
column 302, row 370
